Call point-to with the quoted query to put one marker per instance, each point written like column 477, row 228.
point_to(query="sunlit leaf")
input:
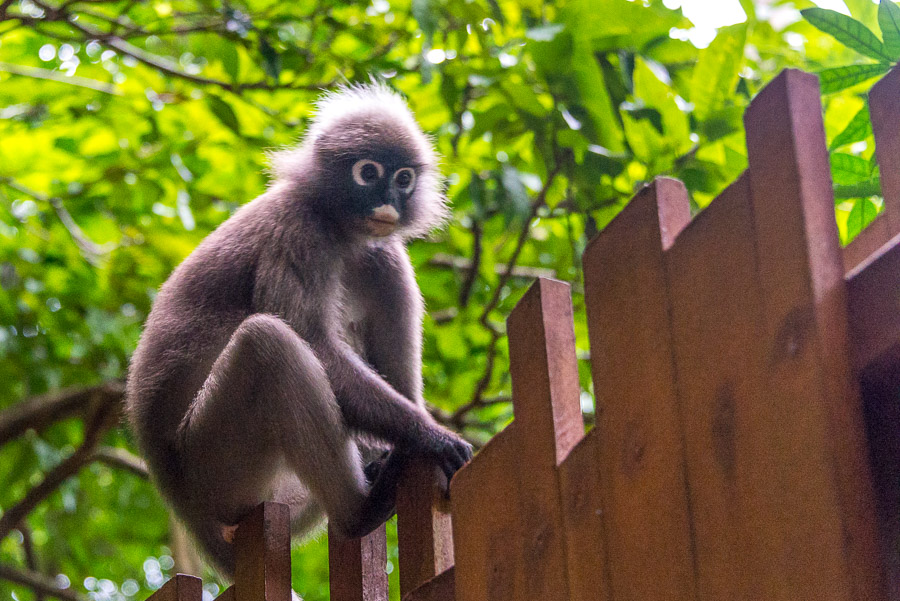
column 889, row 21
column 717, row 70
column 841, row 78
column 859, row 128
column 847, row 31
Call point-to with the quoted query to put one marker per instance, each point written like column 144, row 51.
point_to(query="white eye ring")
column 412, row 178
column 358, row 167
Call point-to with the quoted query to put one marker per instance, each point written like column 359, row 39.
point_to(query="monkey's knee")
column 269, row 348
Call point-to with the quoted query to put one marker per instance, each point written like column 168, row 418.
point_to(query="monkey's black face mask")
column 379, row 189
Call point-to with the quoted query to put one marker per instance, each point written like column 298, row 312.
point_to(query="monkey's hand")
column 446, row 448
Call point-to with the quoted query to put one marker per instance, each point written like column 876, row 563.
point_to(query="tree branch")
column 103, row 418
column 469, row 265
column 90, row 249
column 161, row 64
column 39, row 583
column 46, row 74
column 123, row 460
column 31, row 560
column 36, row 413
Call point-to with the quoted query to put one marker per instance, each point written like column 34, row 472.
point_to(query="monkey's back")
column 195, row 313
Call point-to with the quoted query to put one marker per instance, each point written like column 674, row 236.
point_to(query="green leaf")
column 224, row 112
column 230, row 60
column 849, row 169
column 859, row 128
column 271, row 59
column 865, row 189
column 847, row 31
column 426, row 17
column 841, row 78
column 889, row 21
column 717, row 70
column 861, row 215
column 516, row 194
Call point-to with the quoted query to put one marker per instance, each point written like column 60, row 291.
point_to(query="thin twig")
column 72, row 80
column 39, row 583
column 469, row 265
column 465, row 289
column 36, row 413
column 31, row 560
column 122, row 459
column 91, row 251
column 103, row 418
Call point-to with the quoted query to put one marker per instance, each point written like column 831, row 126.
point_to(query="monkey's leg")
column 267, row 402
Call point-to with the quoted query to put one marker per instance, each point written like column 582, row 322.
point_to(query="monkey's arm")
column 393, row 322
column 369, row 404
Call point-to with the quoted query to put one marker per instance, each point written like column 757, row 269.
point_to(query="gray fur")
column 291, row 335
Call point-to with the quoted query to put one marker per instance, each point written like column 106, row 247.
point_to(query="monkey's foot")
column 380, row 505
column 374, row 468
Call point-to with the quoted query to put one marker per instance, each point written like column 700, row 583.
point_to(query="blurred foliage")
column 129, row 130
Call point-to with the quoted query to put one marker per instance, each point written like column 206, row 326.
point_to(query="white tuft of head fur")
column 360, row 101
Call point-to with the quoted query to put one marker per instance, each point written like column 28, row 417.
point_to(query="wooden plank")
column 486, row 523
column 262, row 544
column 582, row 504
column 730, row 431
column 180, row 587
column 872, row 291
column 884, row 110
column 547, row 408
column 645, row 518
column 881, row 394
column 424, row 530
column 439, row 588
column 356, row 567
column 866, row 243
column 828, row 547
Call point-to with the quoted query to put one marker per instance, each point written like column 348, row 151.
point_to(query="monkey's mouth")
column 382, row 221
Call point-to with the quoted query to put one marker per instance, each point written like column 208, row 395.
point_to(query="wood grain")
column 645, row 502
column 827, row 546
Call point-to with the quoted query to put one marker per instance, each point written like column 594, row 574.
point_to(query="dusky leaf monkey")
column 292, row 336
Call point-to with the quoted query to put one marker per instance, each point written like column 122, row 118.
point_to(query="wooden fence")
column 747, row 443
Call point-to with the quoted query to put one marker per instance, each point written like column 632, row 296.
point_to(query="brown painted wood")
column 874, row 316
column 827, row 548
column 582, row 505
column 867, row 242
column 881, row 394
column 486, row 523
column 439, row 588
column 180, row 587
column 547, row 408
column 732, row 433
column 424, row 530
column 645, row 516
column 875, row 334
column 262, row 544
column 884, row 109
column 357, row 567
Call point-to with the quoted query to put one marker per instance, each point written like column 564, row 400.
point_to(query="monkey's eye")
column 366, row 172
column 405, row 178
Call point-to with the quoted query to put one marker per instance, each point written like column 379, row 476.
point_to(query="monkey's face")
column 379, row 192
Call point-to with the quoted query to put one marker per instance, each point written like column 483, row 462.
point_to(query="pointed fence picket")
column 747, row 378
